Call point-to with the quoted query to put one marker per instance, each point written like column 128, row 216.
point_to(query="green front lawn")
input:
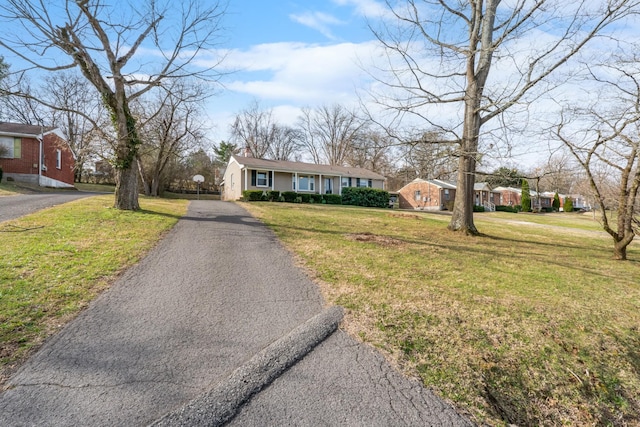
column 521, row 325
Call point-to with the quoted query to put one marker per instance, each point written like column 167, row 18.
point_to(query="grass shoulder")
column 98, row 188
column 8, row 188
column 54, row 262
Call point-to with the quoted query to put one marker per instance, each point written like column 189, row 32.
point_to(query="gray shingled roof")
column 438, row 183
column 21, row 129
column 284, row 166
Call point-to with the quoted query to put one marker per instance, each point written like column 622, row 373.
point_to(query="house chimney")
column 247, row 152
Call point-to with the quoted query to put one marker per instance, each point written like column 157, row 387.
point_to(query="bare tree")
column 170, row 127
column 443, row 53
column 196, row 162
column 24, row 110
column 71, row 93
column 108, row 43
column 607, row 145
column 252, row 130
column 372, row 151
column 285, row 144
column 256, row 131
column 64, row 100
column 430, row 157
column 559, row 173
column 330, row 133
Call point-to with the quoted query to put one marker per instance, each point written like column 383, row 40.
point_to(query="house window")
column 7, row 146
column 262, row 179
column 344, row 182
column 58, row 159
column 417, row 196
column 306, row 183
column 232, row 183
column 446, row 194
column 363, row 182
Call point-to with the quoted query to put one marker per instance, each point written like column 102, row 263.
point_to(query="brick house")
column 579, row 201
column 509, row 196
column 541, row 201
column 428, row 195
column 37, row 155
column 437, row 195
column 486, row 197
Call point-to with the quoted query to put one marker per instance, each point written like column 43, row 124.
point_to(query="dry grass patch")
column 374, row 238
column 520, row 325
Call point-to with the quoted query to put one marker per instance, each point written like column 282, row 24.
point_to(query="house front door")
column 328, row 186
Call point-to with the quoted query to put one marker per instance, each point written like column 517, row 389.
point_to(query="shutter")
column 253, row 178
column 270, row 178
column 370, row 183
column 17, row 148
column 350, row 183
column 357, row 182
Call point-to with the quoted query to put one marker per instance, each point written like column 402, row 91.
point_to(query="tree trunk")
column 620, row 251
column 127, row 187
column 155, row 186
column 144, row 182
column 126, row 150
column 462, row 218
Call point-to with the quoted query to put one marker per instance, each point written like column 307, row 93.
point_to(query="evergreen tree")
column 568, row 204
column 504, row 177
column 556, row 202
column 4, row 68
column 526, row 197
column 224, row 150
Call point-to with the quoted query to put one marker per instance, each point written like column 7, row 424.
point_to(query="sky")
column 292, row 54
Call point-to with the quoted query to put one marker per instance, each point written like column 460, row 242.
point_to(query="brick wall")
column 431, row 197
column 53, row 144
column 28, row 161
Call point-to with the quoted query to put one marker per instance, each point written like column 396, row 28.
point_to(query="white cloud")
column 289, row 76
column 319, row 21
column 300, row 73
column 367, row 8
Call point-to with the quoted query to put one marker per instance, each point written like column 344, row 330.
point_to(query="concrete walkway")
column 214, row 306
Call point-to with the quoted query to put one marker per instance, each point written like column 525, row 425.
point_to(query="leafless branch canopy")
column 605, row 140
column 140, row 44
column 440, row 52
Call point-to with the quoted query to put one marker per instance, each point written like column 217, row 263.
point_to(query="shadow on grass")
column 526, row 250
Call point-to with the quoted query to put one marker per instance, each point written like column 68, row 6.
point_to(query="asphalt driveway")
column 12, row 207
column 218, row 290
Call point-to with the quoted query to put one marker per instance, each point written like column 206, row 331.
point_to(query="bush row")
column 290, row 196
column 369, row 197
column 518, row 208
column 365, row 196
column 513, row 209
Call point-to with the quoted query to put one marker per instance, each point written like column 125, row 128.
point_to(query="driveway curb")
column 219, row 405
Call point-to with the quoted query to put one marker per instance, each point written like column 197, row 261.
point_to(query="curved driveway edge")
column 220, row 405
